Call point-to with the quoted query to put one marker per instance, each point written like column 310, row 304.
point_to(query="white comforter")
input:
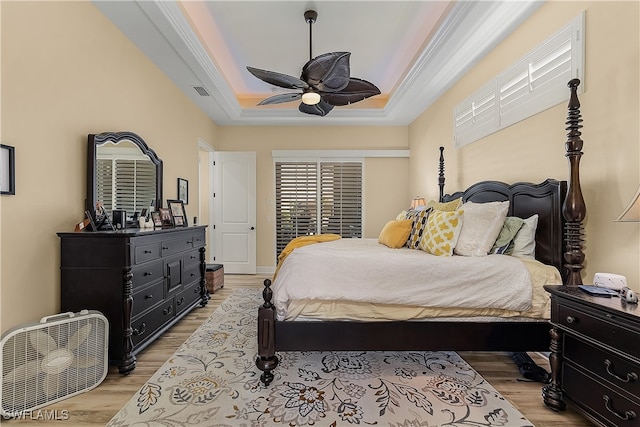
column 364, row 270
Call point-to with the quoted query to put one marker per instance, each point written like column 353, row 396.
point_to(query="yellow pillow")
column 445, row 206
column 395, row 233
column 441, row 232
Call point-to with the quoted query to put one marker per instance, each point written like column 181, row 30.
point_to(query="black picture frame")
column 178, row 213
column 7, row 169
column 183, row 190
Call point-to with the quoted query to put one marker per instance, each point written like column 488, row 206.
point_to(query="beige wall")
column 385, row 181
column 534, row 149
column 67, row 72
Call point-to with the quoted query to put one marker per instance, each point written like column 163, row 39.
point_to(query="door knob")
column 252, row 228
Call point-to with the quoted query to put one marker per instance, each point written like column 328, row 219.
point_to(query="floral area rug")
column 211, row 380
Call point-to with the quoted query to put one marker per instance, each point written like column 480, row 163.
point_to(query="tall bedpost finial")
column 573, row 208
column 441, row 174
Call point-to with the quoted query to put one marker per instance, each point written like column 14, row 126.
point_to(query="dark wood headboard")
column 526, row 199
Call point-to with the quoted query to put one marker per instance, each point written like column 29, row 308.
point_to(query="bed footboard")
column 266, row 360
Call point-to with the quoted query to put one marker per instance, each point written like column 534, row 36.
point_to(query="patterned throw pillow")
column 395, row 233
column 445, row 206
column 419, row 218
column 441, row 232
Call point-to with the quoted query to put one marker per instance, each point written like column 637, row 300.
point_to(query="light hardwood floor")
column 98, row 406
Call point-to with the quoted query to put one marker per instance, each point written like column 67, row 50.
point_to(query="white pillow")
column 480, row 228
column 524, row 243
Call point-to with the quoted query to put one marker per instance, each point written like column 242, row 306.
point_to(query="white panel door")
column 235, row 211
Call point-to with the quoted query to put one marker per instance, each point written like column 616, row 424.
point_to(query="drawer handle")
column 148, row 273
column 631, row 376
column 167, row 310
column 193, row 257
column 146, row 251
column 150, row 296
column 143, row 327
column 628, row 415
column 180, row 301
column 165, row 248
column 196, row 290
column 571, row 319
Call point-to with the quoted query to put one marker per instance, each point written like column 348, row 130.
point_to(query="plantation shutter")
column 341, row 196
column 302, row 186
column 296, row 198
column 538, row 81
column 535, row 83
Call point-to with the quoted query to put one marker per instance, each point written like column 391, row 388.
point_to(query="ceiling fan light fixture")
column 310, row 98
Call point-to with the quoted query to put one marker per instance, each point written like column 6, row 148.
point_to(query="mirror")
column 123, row 174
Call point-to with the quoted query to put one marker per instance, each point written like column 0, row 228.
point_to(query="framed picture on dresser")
column 165, row 217
column 178, row 213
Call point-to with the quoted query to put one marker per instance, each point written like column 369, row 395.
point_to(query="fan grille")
column 49, row 361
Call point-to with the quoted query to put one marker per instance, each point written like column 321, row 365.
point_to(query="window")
column 533, row 84
column 317, row 197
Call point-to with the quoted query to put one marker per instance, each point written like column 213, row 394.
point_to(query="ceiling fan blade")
column 328, row 72
column 320, row 109
column 279, row 99
column 356, row 90
column 278, row 79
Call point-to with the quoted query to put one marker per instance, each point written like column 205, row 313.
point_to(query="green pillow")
column 510, row 228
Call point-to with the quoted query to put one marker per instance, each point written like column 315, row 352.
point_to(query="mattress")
column 304, row 292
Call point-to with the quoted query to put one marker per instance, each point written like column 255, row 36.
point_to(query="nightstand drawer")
column 616, row 370
column 599, row 329
column 600, row 401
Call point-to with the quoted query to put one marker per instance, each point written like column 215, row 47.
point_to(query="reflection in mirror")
column 123, row 173
column 125, row 178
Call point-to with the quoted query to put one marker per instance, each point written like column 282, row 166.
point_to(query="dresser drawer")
column 187, row 297
column 191, row 274
column 617, row 370
column 191, row 258
column 147, row 273
column 149, row 323
column 598, row 329
column 597, row 399
column 198, row 239
column 174, row 246
column 147, row 297
column 148, row 252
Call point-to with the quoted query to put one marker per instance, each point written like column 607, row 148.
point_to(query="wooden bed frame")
column 559, row 237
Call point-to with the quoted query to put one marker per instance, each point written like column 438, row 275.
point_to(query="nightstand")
column 595, row 356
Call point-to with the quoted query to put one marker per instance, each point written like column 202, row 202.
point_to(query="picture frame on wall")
column 7, row 169
column 183, row 190
column 178, row 212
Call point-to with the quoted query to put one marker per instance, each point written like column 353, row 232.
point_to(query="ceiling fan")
column 325, row 81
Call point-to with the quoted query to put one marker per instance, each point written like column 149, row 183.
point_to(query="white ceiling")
column 412, row 50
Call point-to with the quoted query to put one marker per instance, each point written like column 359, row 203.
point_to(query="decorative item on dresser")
column 595, row 359
column 142, row 281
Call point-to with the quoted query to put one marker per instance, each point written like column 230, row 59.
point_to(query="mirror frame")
column 95, row 140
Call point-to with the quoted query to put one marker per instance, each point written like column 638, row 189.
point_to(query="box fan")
column 59, row 357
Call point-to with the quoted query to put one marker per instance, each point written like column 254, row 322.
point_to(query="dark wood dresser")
column 143, row 281
column 595, row 356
